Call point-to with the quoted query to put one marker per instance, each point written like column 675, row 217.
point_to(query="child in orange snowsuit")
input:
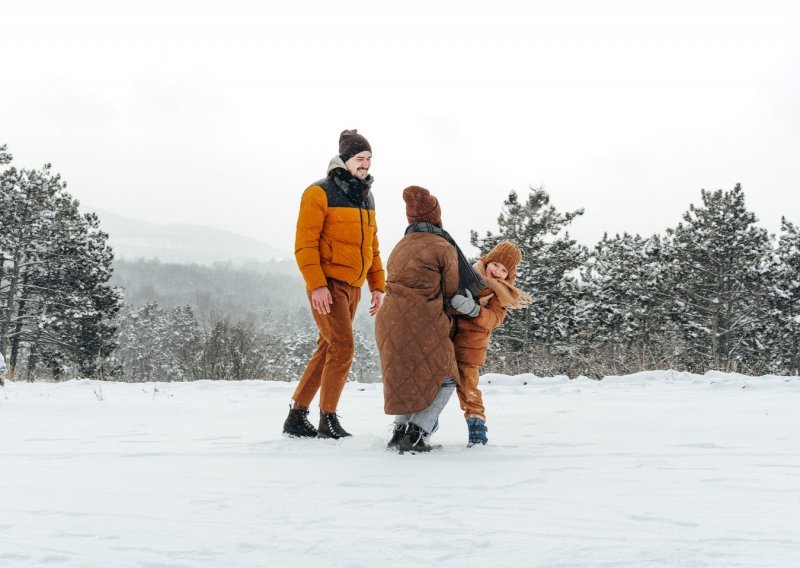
column 479, row 316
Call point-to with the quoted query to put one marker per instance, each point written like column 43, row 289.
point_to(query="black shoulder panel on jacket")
column 337, row 198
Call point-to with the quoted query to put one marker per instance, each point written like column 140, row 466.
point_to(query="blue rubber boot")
column 477, row 431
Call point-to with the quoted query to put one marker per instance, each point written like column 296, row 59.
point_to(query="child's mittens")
column 465, row 304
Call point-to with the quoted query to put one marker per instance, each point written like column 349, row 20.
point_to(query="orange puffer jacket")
column 337, row 236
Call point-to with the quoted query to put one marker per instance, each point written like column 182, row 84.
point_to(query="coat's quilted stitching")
column 412, row 329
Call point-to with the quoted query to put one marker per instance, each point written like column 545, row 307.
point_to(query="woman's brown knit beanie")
column 422, row 206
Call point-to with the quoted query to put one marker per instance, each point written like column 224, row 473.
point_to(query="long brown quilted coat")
column 412, row 328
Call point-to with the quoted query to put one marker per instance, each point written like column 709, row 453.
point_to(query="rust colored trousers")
column 329, row 366
column 469, row 395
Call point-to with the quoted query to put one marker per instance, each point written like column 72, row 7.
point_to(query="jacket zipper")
column 361, row 246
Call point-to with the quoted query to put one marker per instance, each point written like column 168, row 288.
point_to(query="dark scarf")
column 467, row 278
column 355, row 189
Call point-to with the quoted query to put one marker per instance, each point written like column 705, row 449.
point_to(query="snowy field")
column 656, row 469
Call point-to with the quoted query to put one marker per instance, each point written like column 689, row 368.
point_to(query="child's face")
column 497, row 271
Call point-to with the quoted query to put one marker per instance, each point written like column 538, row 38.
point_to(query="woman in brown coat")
column 413, row 328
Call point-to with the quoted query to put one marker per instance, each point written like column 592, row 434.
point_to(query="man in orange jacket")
column 336, row 248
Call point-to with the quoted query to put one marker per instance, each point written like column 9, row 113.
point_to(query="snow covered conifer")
column 144, row 338
column 716, row 264
column 5, row 157
column 783, row 341
column 54, row 264
column 623, row 320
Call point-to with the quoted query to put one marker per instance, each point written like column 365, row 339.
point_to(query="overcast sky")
column 222, row 113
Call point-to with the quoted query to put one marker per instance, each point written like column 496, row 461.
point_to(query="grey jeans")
column 425, row 419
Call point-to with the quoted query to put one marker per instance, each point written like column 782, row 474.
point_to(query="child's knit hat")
column 422, row 206
column 507, row 254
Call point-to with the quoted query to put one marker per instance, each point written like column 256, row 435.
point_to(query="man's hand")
column 377, row 302
column 321, row 300
column 465, row 304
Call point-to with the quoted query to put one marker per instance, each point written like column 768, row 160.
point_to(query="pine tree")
column 716, row 263
column 783, row 338
column 184, row 341
column 80, row 264
column 5, row 242
column 624, row 323
column 288, row 354
column 366, row 367
column 29, row 206
column 55, row 304
column 143, row 336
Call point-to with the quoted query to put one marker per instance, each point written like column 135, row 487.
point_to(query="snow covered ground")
column 656, row 469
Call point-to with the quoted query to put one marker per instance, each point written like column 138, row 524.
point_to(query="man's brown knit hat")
column 507, row 254
column 352, row 143
column 422, row 206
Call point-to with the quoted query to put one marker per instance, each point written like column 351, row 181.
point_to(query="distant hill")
column 133, row 239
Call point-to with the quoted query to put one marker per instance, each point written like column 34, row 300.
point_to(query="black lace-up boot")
column 297, row 424
column 329, row 426
column 414, row 440
column 398, row 431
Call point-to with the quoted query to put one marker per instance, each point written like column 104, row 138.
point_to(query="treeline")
column 715, row 292
column 176, row 344
column 190, row 322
